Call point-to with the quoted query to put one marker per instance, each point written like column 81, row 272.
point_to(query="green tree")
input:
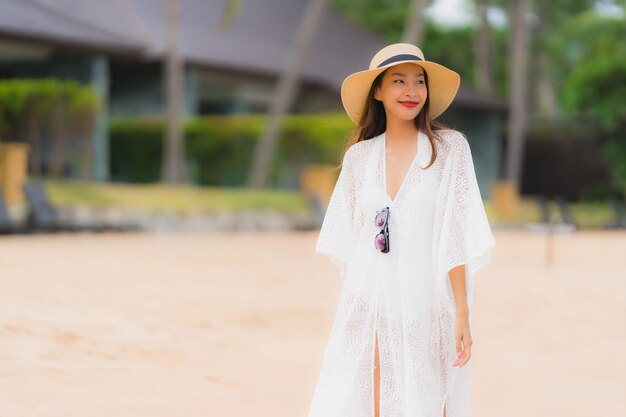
column 592, row 66
column 385, row 17
column 388, row 18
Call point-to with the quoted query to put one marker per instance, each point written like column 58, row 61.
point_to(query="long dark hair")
column 373, row 120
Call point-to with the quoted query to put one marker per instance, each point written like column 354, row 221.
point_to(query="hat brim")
column 443, row 85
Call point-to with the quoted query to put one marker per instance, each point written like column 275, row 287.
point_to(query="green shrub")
column 50, row 114
column 135, row 150
column 219, row 149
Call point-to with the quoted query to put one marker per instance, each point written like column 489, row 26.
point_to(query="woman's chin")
column 405, row 117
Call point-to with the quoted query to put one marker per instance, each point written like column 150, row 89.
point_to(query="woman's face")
column 402, row 91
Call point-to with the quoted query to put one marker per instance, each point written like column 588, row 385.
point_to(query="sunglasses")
column 381, row 241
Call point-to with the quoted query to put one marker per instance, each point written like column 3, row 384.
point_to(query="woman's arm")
column 459, row 290
column 462, row 332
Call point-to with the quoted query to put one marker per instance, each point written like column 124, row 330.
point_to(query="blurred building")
column 118, row 45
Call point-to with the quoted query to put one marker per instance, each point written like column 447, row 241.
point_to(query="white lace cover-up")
column 436, row 221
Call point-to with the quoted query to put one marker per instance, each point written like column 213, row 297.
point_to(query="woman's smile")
column 409, row 103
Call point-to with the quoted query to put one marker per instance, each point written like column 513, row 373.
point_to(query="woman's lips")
column 409, row 104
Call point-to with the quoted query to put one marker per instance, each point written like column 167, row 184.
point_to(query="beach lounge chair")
column 5, row 222
column 544, row 209
column 44, row 216
column 566, row 213
column 619, row 213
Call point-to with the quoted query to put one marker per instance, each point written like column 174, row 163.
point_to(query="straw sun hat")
column 443, row 83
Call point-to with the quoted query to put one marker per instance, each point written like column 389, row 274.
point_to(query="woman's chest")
column 413, row 203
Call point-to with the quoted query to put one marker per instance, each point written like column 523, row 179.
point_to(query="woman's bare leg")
column 376, row 380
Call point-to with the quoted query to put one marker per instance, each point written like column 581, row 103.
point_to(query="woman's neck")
column 401, row 132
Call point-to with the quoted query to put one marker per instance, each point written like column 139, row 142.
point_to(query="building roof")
column 261, row 36
column 257, row 41
column 35, row 20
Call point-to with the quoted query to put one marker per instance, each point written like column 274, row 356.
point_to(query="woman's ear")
column 377, row 93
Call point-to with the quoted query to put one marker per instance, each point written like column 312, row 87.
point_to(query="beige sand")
column 236, row 324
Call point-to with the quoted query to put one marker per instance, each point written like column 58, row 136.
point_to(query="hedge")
column 27, row 101
column 50, row 115
column 219, row 148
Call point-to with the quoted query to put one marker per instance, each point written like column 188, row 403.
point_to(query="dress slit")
column 376, row 377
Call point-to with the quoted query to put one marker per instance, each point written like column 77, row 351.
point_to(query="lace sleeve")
column 466, row 237
column 470, row 241
column 335, row 237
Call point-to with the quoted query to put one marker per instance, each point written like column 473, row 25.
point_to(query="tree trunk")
column 414, row 26
column 284, row 93
column 58, row 139
column 33, row 137
column 174, row 150
column 85, row 133
column 483, row 50
column 518, row 46
column 545, row 94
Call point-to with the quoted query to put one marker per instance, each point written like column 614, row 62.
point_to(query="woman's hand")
column 463, row 339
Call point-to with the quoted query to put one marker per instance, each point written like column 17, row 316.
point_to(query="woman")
column 406, row 225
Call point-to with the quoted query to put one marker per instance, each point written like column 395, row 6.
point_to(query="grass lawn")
column 586, row 215
column 159, row 197
column 167, row 198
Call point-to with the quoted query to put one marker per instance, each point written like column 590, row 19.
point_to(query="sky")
column 450, row 12
column 455, row 13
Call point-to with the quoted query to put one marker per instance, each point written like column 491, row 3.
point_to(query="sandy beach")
column 235, row 324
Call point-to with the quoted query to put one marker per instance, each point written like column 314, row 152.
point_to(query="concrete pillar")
column 192, row 89
column 100, row 82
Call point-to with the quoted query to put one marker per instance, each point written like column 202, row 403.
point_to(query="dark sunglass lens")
column 380, row 220
column 379, row 241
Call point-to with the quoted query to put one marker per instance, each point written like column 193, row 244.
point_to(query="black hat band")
column 397, row 58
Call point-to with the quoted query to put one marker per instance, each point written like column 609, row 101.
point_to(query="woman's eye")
column 398, row 81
